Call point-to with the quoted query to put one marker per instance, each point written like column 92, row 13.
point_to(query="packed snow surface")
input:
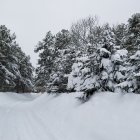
column 107, row 116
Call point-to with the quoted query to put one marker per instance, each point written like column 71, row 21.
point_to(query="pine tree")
column 135, row 68
column 11, row 56
column 63, row 61
column 106, row 48
column 132, row 40
column 119, row 67
column 132, row 43
column 120, row 32
column 6, row 76
column 47, row 54
column 24, row 75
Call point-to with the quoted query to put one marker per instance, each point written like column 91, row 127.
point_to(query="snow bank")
column 106, row 116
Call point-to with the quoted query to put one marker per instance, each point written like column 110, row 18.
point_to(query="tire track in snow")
column 15, row 124
column 40, row 126
column 6, row 119
column 8, row 124
column 23, row 127
column 19, row 120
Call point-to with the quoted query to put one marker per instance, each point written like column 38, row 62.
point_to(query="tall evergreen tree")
column 6, row 76
column 10, row 61
column 120, row 31
column 132, row 40
column 25, row 69
column 47, row 54
column 63, row 60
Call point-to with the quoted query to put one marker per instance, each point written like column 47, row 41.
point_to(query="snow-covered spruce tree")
column 47, row 54
column 120, row 31
column 132, row 80
column 81, row 78
column 6, row 61
column 93, row 69
column 111, row 60
column 86, row 36
column 9, row 63
column 119, row 59
column 135, row 69
column 132, row 39
column 103, row 59
column 100, row 69
column 25, row 68
column 63, row 61
column 132, row 43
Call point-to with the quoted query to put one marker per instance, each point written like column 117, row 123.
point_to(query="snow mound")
column 106, row 116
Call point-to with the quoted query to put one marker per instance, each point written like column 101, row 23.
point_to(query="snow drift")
column 106, row 116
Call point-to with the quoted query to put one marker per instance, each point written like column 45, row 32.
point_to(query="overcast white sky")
column 31, row 19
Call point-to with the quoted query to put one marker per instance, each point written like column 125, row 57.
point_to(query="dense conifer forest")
column 86, row 57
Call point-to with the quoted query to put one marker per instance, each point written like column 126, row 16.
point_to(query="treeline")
column 88, row 56
column 16, row 71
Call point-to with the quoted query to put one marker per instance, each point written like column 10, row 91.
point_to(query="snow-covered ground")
column 106, row 116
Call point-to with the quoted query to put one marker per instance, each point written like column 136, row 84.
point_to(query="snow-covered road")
column 50, row 117
column 20, row 119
